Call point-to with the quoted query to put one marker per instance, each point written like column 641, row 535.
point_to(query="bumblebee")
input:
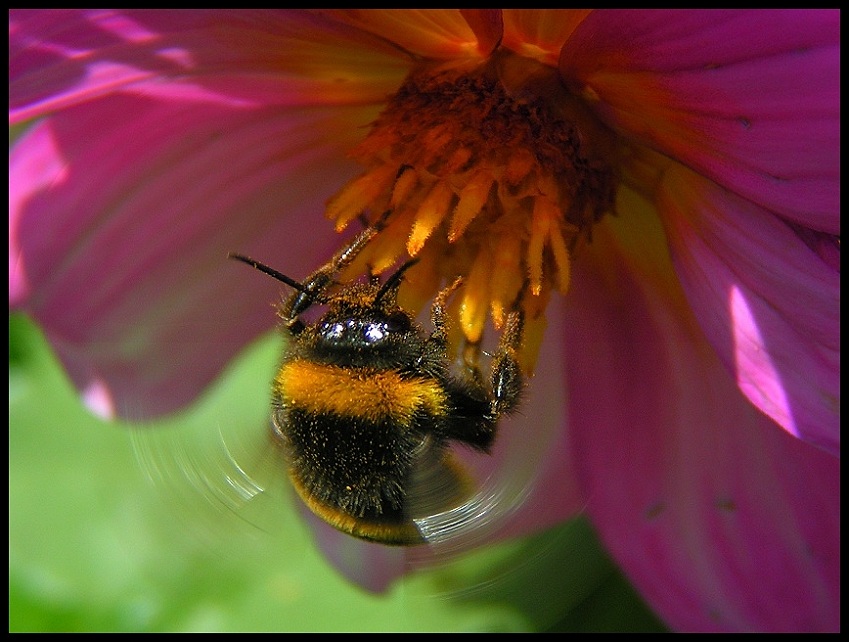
column 366, row 402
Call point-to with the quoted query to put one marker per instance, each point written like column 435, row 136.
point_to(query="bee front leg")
column 317, row 283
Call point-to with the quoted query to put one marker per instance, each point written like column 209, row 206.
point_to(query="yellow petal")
column 359, row 194
column 403, row 187
column 476, row 297
column 540, row 223
column 431, row 33
column 507, row 275
column 561, row 258
column 472, row 199
column 429, row 216
column 540, row 33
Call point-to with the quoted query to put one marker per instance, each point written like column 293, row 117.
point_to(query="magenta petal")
column 723, row 522
column 61, row 58
column 769, row 304
column 122, row 212
column 750, row 99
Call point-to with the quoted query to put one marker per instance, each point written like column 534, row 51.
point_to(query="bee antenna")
column 394, row 281
column 262, row 267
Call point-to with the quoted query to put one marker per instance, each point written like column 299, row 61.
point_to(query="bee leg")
column 316, row 284
column 471, row 421
column 439, row 315
column 478, row 405
column 506, row 381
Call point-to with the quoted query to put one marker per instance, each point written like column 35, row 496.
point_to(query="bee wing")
column 438, row 483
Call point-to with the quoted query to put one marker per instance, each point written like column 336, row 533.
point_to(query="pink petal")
column 769, row 304
column 61, row 58
column 750, row 99
column 721, row 521
column 122, row 212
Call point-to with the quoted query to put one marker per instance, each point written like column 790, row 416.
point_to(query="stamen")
column 507, row 276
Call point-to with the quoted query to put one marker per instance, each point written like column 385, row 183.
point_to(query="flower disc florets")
column 492, row 172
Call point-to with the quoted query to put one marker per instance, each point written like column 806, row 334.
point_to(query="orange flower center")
column 494, row 172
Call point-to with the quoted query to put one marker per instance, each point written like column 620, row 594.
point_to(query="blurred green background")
column 116, row 528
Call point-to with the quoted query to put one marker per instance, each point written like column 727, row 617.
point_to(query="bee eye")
column 333, row 330
column 398, row 322
column 374, row 332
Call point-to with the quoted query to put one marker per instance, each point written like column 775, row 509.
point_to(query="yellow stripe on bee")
column 358, row 393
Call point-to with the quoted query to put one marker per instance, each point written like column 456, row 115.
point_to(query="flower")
column 673, row 175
